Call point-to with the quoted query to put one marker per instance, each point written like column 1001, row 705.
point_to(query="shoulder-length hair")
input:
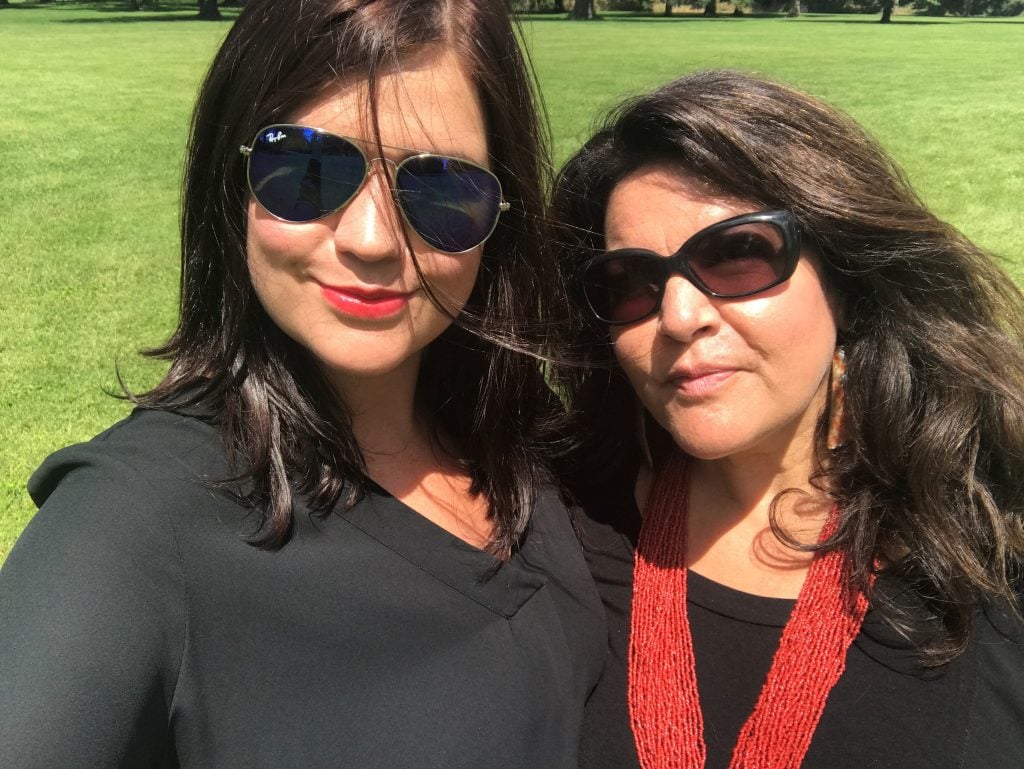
column 284, row 428
column 931, row 476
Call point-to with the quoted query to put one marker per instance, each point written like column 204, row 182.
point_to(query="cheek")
column 451, row 276
column 795, row 338
column 273, row 244
column 633, row 347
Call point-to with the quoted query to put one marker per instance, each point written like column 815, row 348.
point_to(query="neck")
column 385, row 421
column 732, row 504
column 401, row 457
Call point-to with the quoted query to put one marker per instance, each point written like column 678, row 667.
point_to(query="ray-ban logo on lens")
column 276, row 136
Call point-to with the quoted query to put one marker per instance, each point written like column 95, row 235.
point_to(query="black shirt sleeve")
column 91, row 622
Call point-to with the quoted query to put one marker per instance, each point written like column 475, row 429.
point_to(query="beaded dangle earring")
column 836, row 401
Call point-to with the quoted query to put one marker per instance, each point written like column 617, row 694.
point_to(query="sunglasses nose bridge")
column 679, row 264
column 676, row 264
column 385, row 165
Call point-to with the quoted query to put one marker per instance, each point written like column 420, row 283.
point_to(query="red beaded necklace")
column 663, row 702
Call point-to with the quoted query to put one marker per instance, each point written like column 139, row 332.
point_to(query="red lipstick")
column 358, row 302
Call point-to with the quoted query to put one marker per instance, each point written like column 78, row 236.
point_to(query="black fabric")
column 138, row 629
column 886, row 711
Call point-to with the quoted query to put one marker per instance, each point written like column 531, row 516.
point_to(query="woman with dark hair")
column 805, row 408
column 326, row 538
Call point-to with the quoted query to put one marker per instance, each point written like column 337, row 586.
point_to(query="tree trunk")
column 886, row 12
column 794, row 9
column 582, row 9
column 668, row 8
column 711, row 8
column 208, row 9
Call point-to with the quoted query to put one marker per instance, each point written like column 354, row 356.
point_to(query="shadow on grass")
column 631, row 18
column 119, row 12
column 131, row 17
column 635, row 18
column 893, row 23
column 904, row 21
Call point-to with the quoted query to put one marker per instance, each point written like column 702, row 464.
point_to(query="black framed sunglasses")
column 301, row 174
column 740, row 256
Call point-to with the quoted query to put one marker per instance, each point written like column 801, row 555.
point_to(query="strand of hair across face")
column 664, row 702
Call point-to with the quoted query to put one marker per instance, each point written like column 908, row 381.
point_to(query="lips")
column 367, row 303
column 696, row 382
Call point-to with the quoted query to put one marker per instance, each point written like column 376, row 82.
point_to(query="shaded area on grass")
column 168, row 10
column 129, row 17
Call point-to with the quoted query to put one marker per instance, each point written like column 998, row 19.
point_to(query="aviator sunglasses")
column 301, row 174
column 734, row 258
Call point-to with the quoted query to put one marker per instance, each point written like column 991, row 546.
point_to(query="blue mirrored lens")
column 300, row 174
column 452, row 205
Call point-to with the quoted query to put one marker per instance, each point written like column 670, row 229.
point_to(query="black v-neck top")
column 886, row 711
column 138, row 629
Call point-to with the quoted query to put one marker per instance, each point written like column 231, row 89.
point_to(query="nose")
column 369, row 228
column 686, row 313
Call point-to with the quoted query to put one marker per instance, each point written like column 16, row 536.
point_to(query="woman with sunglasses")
column 326, row 538
column 805, row 411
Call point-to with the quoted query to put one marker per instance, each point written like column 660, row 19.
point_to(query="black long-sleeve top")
column 887, row 711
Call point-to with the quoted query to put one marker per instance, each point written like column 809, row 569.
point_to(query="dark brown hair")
column 284, row 427
column 931, row 477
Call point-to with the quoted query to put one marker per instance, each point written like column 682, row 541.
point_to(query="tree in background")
column 538, row 6
column 208, row 9
column 969, row 7
column 582, row 9
column 627, row 5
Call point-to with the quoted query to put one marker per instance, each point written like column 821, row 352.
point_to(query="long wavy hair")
column 285, row 429
column 931, row 475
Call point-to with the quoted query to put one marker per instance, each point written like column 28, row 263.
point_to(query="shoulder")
column 144, row 448
column 148, row 460
column 122, row 491
column 606, row 515
column 997, row 700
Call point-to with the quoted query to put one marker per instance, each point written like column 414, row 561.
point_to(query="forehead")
column 428, row 103
column 658, row 207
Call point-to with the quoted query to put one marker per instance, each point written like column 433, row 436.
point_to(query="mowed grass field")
column 94, row 109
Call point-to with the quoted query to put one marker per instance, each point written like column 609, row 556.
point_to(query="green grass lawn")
column 95, row 102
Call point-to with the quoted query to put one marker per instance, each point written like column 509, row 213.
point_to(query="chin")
column 703, row 451
column 361, row 370
column 709, row 444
